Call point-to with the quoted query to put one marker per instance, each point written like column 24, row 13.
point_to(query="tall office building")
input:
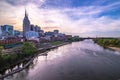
column 26, row 24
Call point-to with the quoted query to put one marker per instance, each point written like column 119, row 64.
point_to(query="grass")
column 56, row 42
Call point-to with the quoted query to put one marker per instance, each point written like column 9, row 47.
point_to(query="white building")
column 32, row 35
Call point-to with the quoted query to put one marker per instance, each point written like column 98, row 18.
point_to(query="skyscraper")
column 26, row 24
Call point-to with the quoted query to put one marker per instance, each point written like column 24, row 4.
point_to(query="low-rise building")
column 32, row 35
column 16, row 33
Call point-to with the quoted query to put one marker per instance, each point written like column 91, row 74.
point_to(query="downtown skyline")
column 77, row 17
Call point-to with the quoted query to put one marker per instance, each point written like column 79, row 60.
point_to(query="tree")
column 1, row 50
column 29, row 48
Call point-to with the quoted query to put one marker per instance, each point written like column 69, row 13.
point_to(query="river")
column 82, row 60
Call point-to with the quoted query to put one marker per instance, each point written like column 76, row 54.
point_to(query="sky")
column 86, row 18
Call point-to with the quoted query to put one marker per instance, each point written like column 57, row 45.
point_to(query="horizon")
column 89, row 18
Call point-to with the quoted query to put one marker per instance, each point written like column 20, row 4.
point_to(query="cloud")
column 24, row 2
column 73, row 20
column 51, row 28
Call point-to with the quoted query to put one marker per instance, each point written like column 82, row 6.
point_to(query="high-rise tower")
column 26, row 24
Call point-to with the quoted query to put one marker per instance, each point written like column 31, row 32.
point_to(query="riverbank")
column 111, row 43
column 40, row 50
column 74, row 61
column 114, row 48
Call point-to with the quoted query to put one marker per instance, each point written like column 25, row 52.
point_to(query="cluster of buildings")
column 30, row 32
column 34, row 32
column 7, row 31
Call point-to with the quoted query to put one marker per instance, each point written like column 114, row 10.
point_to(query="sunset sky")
column 77, row 17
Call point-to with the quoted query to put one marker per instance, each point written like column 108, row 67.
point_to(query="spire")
column 26, row 15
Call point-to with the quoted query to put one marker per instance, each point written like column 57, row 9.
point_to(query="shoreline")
column 31, row 59
column 109, row 43
column 114, row 48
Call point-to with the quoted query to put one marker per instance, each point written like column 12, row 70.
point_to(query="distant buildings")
column 6, row 31
column 31, row 32
column 35, row 28
column 17, row 33
column 56, row 31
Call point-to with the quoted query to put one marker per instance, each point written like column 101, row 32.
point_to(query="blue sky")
column 77, row 17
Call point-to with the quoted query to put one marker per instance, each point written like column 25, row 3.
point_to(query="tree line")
column 113, row 42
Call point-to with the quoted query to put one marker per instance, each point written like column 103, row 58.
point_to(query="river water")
column 83, row 60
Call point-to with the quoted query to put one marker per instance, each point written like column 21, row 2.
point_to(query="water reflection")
column 77, row 61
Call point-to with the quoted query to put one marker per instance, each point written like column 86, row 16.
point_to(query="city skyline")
column 84, row 18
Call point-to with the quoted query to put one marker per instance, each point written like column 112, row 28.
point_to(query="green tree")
column 1, row 50
column 29, row 48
